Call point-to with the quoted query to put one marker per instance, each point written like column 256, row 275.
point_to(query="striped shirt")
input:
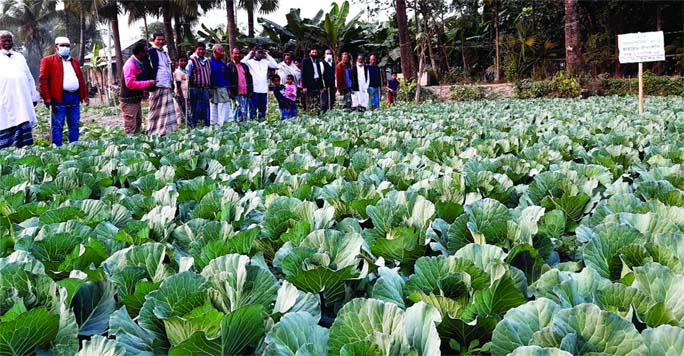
column 199, row 72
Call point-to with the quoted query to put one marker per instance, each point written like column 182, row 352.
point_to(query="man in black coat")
column 327, row 66
column 241, row 85
column 312, row 80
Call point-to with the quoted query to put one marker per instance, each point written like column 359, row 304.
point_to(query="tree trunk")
column 573, row 43
column 81, row 37
column 659, row 27
column 232, row 28
column 421, row 70
column 497, row 61
column 178, row 30
column 407, row 60
column 66, row 20
column 117, row 47
column 250, row 21
column 147, row 31
column 168, row 31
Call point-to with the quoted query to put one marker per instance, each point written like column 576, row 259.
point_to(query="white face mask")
column 64, row 51
column 4, row 51
column 328, row 57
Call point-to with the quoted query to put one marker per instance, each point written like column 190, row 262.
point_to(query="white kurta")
column 284, row 70
column 360, row 98
column 17, row 92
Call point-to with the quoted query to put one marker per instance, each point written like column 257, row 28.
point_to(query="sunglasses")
column 64, row 45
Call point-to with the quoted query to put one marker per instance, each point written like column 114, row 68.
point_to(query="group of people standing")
column 196, row 90
column 61, row 86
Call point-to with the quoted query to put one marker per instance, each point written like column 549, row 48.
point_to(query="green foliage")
column 560, row 86
column 654, row 85
column 467, row 92
column 536, row 227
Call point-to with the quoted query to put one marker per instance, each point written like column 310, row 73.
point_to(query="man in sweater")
column 259, row 62
column 161, row 119
column 199, row 81
column 63, row 89
column 374, row 83
column 220, row 81
column 136, row 73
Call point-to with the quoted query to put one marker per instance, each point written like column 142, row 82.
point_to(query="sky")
column 217, row 17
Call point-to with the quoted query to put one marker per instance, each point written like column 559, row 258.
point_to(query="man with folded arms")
column 63, row 89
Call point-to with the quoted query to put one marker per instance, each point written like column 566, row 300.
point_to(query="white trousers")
column 220, row 113
column 360, row 98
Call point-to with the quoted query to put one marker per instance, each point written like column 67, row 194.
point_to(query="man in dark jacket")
column 327, row 66
column 241, row 85
column 312, row 80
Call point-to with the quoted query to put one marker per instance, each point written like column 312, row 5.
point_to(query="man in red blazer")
column 63, row 89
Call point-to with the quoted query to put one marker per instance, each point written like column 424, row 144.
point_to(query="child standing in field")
column 286, row 95
column 392, row 89
column 180, row 76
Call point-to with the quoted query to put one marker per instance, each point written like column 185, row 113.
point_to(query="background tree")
column 408, row 65
column 32, row 22
column 253, row 6
column 573, row 40
column 108, row 12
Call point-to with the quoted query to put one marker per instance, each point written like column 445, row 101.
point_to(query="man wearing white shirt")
column 259, row 62
column 360, row 82
column 63, row 89
column 18, row 96
column 287, row 67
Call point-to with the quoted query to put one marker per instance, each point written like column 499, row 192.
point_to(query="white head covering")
column 60, row 40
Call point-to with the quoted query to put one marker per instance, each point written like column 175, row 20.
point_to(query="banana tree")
column 340, row 34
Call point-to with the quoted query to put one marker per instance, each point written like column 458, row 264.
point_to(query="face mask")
column 328, row 58
column 64, row 51
column 4, row 51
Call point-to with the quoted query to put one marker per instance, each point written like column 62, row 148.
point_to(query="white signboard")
column 641, row 47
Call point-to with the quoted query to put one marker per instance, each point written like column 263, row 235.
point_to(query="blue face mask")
column 64, row 51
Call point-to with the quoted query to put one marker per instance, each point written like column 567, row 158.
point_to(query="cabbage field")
column 511, row 227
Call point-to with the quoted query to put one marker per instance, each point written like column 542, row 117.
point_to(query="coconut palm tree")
column 261, row 6
column 32, row 21
column 108, row 12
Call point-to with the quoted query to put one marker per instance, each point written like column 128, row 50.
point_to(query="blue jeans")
column 241, row 108
column 290, row 111
column 258, row 104
column 68, row 109
column 374, row 100
column 199, row 106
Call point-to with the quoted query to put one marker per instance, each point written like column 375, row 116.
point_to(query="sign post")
column 639, row 48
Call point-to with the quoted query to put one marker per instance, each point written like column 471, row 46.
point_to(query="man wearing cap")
column 18, row 96
column 63, row 89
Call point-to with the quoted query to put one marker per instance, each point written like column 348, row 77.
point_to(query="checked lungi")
column 162, row 116
column 20, row 136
